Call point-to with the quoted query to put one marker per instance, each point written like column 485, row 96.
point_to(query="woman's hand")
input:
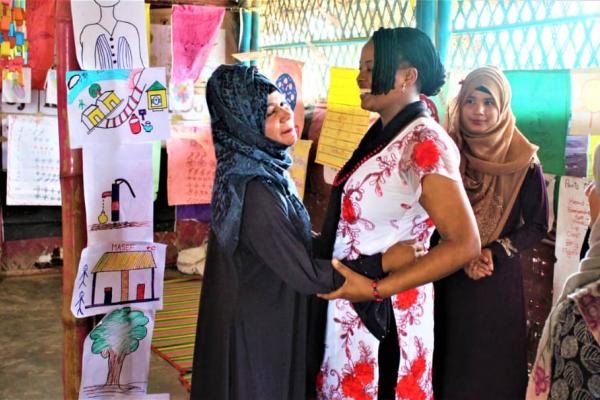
column 594, row 202
column 402, row 254
column 356, row 288
column 482, row 266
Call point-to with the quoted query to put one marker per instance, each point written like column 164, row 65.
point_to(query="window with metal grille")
column 326, row 33
column 512, row 34
column 525, row 34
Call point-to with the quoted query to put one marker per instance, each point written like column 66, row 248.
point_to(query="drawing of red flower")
column 407, row 299
column 426, row 154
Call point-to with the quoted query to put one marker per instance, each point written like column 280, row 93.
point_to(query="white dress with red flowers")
column 380, row 206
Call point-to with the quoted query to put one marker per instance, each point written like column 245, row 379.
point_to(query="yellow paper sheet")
column 299, row 154
column 345, row 122
column 148, row 29
column 593, row 142
column 585, row 102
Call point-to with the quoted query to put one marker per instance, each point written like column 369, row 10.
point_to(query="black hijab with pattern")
column 237, row 102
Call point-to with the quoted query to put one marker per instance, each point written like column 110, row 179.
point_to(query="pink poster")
column 194, row 31
column 191, row 169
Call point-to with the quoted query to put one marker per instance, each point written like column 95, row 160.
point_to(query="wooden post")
column 74, row 235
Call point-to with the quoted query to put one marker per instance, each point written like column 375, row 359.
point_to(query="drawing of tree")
column 118, row 335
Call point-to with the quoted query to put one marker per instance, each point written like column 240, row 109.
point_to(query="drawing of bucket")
column 134, row 124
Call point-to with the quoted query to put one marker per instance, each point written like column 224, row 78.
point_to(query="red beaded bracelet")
column 376, row 294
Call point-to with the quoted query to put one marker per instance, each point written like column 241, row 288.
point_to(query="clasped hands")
column 481, row 266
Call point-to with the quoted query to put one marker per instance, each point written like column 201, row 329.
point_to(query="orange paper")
column 191, row 169
column 5, row 23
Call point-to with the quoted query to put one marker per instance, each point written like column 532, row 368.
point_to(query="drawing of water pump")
column 114, row 196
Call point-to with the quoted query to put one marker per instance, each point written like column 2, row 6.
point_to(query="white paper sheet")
column 4, row 142
column 110, row 34
column 22, row 108
column 153, row 396
column 33, row 161
column 181, row 95
column 329, row 174
column 45, row 107
column 585, row 103
column 118, row 190
column 571, row 224
column 114, row 275
column 116, row 355
column 51, row 87
column 118, row 106
column 12, row 92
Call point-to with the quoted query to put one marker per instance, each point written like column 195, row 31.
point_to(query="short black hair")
column 406, row 47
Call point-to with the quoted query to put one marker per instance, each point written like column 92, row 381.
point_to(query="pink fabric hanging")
column 194, row 31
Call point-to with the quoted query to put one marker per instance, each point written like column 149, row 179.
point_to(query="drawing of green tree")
column 118, row 335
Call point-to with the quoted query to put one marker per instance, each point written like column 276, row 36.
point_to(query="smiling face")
column 479, row 112
column 365, row 75
column 381, row 102
column 279, row 122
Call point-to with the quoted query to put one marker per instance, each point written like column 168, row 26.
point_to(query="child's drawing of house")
column 122, row 278
column 105, row 104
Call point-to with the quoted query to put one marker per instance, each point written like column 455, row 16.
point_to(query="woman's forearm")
column 444, row 259
column 447, row 205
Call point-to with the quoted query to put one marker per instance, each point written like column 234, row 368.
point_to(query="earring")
column 403, row 87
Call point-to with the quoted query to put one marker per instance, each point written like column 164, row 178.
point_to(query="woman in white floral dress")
column 401, row 183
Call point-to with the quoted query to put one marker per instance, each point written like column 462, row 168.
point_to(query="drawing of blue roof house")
column 122, row 278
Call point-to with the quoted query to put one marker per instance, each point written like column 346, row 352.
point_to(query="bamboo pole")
column 74, row 234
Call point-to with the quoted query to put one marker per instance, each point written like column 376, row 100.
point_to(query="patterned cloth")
column 237, row 101
column 576, row 357
column 380, row 206
column 582, row 289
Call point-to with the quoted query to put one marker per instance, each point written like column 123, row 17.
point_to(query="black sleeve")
column 268, row 233
column 585, row 245
column 533, row 201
